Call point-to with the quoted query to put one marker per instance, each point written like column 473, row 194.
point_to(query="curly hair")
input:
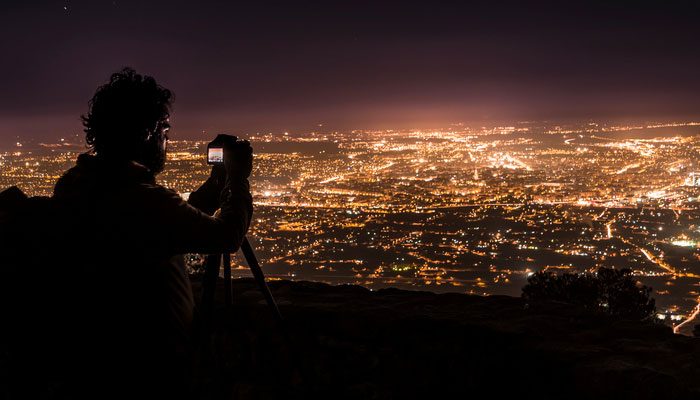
column 124, row 111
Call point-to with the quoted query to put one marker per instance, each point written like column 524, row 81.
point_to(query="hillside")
column 354, row 343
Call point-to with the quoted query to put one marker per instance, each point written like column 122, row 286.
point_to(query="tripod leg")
column 211, row 272
column 252, row 261
column 228, row 290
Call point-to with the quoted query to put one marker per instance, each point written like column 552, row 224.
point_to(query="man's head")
column 128, row 120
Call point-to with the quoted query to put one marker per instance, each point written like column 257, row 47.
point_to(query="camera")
column 215, row 148
column 215, row 155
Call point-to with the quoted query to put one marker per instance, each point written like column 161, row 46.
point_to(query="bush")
column 611, row 291
column 195, row 264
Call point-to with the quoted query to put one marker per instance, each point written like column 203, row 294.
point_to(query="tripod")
column 212, row 272
column 209, row 284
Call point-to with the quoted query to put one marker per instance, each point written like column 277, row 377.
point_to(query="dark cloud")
column 352, row 64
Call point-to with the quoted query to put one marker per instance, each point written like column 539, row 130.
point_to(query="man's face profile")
column 155, row 148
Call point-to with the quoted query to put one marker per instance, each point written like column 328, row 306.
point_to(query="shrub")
column 195, row 264
column 611, row 291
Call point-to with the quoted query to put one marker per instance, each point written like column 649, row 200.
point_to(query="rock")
column 349, row 342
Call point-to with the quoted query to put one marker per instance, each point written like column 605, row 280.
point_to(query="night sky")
column 295, row 65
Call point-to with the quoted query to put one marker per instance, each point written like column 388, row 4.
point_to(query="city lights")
column 472, row 210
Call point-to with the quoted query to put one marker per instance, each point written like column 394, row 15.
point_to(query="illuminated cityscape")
column 472, row 210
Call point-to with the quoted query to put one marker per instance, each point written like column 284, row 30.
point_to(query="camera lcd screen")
column 215, row 155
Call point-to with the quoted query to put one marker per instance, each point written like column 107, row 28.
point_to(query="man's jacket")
column 123, row 235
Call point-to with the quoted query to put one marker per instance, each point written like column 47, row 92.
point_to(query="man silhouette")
column 130, row 306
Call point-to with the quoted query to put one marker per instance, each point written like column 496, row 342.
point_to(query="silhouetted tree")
column 612, row 291
column 696, row 330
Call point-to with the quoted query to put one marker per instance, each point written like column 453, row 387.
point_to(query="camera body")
column 215, row 148
column 215, row 155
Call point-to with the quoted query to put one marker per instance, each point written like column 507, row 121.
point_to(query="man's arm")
column 186, row 229
column 207, row 197
column 191, row 230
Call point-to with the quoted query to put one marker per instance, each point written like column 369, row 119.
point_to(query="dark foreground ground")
column 352, row 343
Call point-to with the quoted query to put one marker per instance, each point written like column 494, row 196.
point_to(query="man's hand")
column 218, row 175
column 238, row 159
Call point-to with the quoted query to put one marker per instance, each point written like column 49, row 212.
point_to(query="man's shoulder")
column 92, row 175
